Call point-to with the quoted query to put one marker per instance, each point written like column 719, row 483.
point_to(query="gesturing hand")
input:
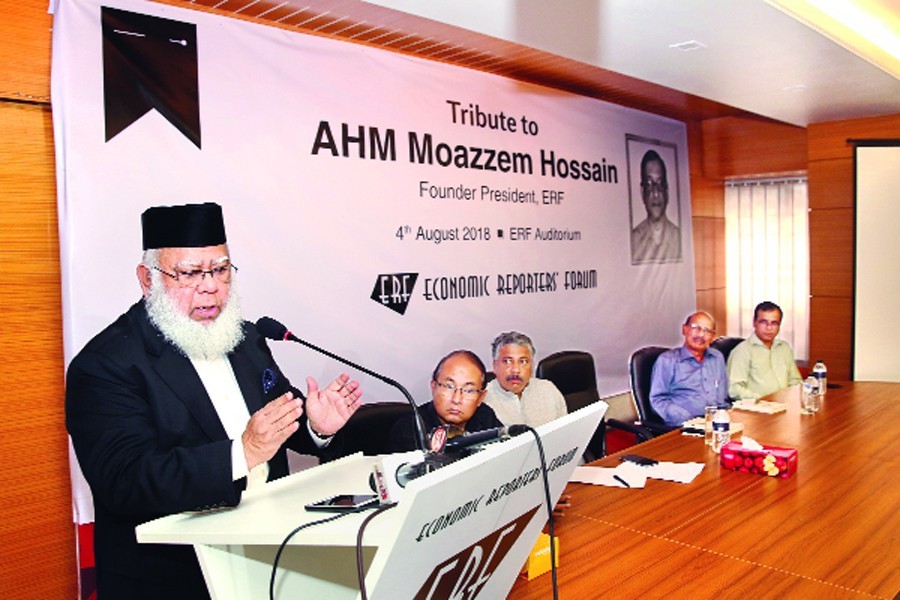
column 329, row 408
column 269, row 427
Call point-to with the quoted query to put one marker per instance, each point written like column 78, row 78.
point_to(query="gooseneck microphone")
column 275, row 330
column 415, row 467
column 486, row 436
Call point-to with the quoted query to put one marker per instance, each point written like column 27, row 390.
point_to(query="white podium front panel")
column 461, row 531
column 471, row 524
column 237, row 546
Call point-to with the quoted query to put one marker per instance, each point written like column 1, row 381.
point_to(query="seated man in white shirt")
column 516, row 396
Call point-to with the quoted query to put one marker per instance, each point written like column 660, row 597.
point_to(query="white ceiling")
column 755, row 58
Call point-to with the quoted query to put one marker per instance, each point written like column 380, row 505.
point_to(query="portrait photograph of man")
column 654, row 202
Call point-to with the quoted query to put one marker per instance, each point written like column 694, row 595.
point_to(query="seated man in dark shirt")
column 457, row 390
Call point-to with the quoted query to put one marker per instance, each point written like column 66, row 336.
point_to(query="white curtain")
column 767, row 256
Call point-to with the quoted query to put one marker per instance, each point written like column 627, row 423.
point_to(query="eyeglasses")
column 449, row 390
column 766, row 323
column 194, row 277
column 701, row 329
column 654, row 186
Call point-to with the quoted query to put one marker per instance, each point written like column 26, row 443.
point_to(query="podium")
column 464, row 530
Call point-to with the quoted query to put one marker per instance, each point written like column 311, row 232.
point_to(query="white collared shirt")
column 223, row 389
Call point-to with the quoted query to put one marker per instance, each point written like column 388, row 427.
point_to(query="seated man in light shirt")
column 689, row 378
column 516, row 396
column 762, row 364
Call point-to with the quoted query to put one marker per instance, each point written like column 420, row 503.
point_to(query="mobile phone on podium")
column 342, row 502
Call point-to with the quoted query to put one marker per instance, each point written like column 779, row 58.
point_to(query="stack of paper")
column 632, row 475
column 761, row 406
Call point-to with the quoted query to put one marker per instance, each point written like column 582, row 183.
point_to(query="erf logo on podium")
column 393, row 290
column 462, row 576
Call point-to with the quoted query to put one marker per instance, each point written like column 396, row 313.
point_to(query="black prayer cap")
column 184, row 226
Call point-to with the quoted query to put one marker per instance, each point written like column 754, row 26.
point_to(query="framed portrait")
column 654, row 200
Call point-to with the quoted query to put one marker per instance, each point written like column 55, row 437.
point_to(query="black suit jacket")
column 150, row 443
column 404, row 436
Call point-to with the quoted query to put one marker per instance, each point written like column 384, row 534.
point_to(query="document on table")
column 677, row 472
column 761, row 406
column 631, row 475
column 626, row 475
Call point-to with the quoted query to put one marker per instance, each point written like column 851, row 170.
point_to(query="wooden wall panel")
column 713, row 302
column 831, row 252
column 831, row 334
column 828, row 141
column 831, row 231
column 25, row 50
column 707, row 197
column 709, row 253
column 735, row 147
column 36, row 528
column 708, row 224
column 709, row 268
column 695, row 148
column 831, row 183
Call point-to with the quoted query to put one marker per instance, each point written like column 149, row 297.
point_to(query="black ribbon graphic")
column 149, row 63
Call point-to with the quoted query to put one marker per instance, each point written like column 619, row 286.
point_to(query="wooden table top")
column 831, row 530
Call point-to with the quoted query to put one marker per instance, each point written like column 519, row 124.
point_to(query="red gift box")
column 771, row 460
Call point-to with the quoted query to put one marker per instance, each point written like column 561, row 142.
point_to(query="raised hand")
column 329, row 408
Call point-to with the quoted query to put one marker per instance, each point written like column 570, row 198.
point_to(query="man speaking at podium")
column 179, row 405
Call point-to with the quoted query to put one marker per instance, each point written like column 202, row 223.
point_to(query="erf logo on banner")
column 393, row 290
column 462, row 576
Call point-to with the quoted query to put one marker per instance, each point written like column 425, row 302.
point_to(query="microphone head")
column 271, row 329
column 514, row 430
column 476, row 438
column 437, row 439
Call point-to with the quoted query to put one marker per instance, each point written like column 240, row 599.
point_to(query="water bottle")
column 809, row 401
column 721, row 430
column 708, row 413
column 821, row 373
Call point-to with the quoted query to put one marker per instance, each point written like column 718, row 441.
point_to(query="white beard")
column 204, row 341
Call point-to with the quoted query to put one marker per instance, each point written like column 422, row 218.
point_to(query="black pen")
column 622, row 481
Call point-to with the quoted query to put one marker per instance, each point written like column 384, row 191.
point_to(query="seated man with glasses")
column 762, row 364
column 656, row 238
column 179, row 405
column 457, row 390
column 689, row 378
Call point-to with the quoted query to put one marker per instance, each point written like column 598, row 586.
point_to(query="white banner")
column 387, row 208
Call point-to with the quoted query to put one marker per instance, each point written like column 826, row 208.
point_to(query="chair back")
column 368, row 430
column 573, row 374
column 726, row 344
column 640, row 369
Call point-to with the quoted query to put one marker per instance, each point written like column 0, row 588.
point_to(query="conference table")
column 831, row 530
